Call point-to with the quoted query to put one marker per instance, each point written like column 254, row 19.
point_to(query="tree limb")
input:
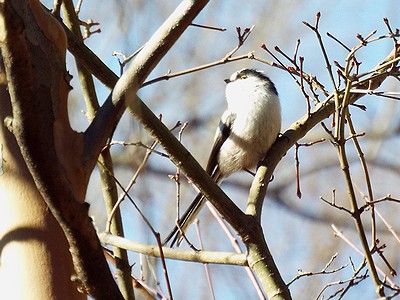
column 124, row 92
column 226, row 258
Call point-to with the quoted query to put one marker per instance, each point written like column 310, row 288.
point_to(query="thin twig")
column 311, row 80
column 354, row 280
column 88, row 28
column 236, row 247
column 176, row 178
column 322, row 47
column 126, row 59
column 208, row 27
column 242, row 37
column 154, row 232
column 338, row 41
column 347, row 241
column 138, row 144
column 145, row 291
column 324, row 270
column 333, row 204
column 222, row 61
column 393, row 35
column 78, row 7
column 150, row 150
column 206, row 266
column 297, row 162
column 389, row 227
column 297, row 167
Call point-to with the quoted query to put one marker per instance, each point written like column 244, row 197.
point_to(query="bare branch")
column 226, row 258
column 324, row 270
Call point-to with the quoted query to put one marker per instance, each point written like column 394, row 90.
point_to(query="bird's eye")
column 243, row 76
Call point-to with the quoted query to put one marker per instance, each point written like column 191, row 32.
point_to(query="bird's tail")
column 187, row 218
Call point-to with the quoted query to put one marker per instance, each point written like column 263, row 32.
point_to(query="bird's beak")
column 227, row 80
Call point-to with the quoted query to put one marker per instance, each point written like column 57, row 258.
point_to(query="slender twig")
column 242, row 37
column 324, row 270
column 392, row 34
column 150, row 150
column 364, row 166
column 333, row 204
column 145, row 291
column 236, row 247
column 297, row 162
column 78, row 7
column 338, row 41
column 376, row 201
column 297, row 165
column 126, row 59
column 329, row 132
column 386, row 94
column 354, row 280
column 311, row 80
column 282, row 66
column 389, row 227
column 130, row 184
column 88, row 28
column 138, row 144
column 222, row 61
column 208, row 27
column 296, row 50
column 292, row 60
column 176, row 178
column 234, row 243
column 359, row 251
column 379, row 250
column 306, row 96
column 341, row 116
column 156, row 235
column 378, row 70
column 206, row 266
column 290, row 70
column 322, row 47
column 153, row 272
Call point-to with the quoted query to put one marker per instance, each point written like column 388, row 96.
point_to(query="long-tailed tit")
column 248, row 128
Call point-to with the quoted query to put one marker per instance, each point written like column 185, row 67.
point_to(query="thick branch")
column 124, row 92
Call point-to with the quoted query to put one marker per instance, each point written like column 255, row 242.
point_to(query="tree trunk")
column 35, row 262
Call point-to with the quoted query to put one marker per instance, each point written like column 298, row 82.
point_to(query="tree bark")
column 43, row 163
column 34, row 259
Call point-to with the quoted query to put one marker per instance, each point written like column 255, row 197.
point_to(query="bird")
column 247, row 129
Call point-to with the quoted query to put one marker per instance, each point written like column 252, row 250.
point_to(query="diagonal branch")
column 124, row 92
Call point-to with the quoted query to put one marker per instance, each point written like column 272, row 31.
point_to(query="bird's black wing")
column 223, row 132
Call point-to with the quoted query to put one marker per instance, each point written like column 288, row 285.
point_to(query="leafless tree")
column 47, row 233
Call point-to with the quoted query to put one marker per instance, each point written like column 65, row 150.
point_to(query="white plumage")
column 247, row 129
